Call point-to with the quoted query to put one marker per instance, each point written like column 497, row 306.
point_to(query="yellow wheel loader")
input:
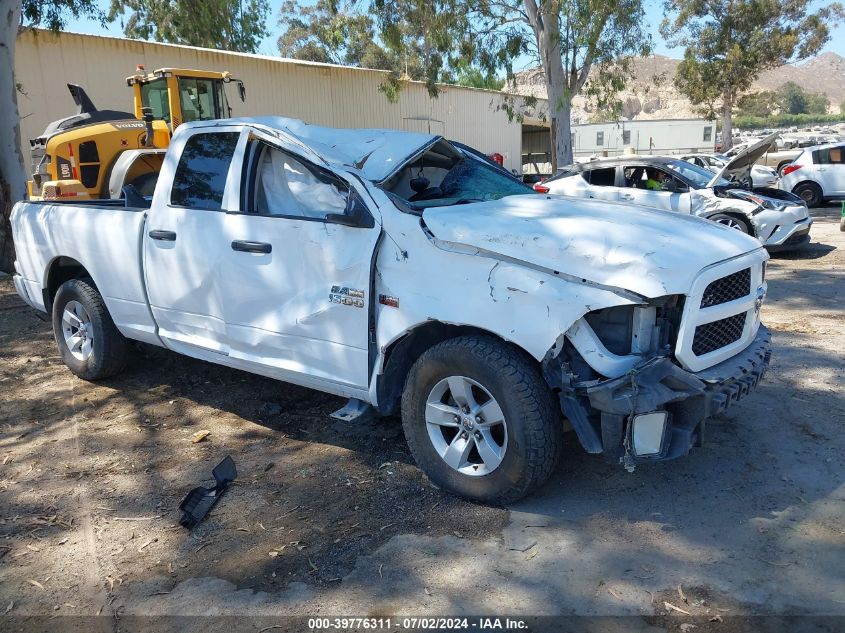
column 95, row 153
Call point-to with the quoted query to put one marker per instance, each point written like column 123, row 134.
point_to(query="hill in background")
column 646, row 99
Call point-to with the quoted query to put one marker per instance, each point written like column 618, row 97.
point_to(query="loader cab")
column 177, row 96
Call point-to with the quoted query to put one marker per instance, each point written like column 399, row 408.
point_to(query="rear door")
column 601, row 183
column 184, row 243
column 829, row 166
column 295, row 278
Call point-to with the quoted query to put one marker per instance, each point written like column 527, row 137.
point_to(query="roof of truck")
column 375, row 153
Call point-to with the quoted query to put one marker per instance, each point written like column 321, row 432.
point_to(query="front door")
column 184, row 242
column 298, row 279
column 656, row 188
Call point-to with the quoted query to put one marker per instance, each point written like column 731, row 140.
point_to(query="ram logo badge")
column 347, row 296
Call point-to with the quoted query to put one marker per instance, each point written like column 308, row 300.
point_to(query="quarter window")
column 602, row 177
column 287, row 186
column 200, row 178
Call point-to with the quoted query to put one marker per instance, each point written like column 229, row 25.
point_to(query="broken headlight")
column 646, row 329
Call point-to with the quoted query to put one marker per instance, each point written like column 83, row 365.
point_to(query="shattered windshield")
column 444, row 176
column 697, row 177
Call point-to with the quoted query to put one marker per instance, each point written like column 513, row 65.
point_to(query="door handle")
column 166, row 236
column 245, row 246
column 626, row 196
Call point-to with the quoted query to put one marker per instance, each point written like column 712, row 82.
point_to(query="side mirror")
column 356, row 215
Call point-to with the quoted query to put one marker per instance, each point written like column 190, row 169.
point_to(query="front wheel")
column 731, row 222
column 88, row 340
column 480, row 420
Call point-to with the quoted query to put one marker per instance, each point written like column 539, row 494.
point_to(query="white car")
column 818, row 174
column 779, row 219
column 408, row 275
column 761, row 176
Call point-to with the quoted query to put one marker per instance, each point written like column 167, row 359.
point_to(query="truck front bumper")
column 658, row 410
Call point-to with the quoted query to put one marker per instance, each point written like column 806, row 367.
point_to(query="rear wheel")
column 810, row 193
column 731, row 221
column 480, row 420
column 88, row 340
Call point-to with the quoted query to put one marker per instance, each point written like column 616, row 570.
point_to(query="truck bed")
column 101, row 236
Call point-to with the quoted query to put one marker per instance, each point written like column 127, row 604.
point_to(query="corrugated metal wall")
column 320, row 94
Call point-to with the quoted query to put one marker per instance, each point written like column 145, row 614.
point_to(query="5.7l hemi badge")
column 347, row 296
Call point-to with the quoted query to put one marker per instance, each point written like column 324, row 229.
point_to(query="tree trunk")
column 12, row 171
column 560, row 107
column 727, row 123
column 547, row 35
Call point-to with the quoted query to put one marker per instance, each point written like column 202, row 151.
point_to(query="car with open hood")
column 409, row 275
column 779, row 219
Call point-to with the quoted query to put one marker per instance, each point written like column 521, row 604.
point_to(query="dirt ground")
column 333, row 517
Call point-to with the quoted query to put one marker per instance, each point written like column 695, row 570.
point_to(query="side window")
column 829, row 156
column 599, row 138
column 708, row 133
column 602, row 177
column 286, row 186
column 651, row 178
column 201, row 174
column 197, row 97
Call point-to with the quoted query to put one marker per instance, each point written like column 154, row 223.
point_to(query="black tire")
column 732, row 221
column 534, row 423
column 109, row 350
column 810, row 193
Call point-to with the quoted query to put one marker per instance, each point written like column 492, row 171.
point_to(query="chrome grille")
column 712, row 336
column 728, row 288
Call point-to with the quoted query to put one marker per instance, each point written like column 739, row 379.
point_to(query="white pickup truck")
column 405, row 272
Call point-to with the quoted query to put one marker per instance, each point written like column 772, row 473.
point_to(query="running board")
column 353, row 411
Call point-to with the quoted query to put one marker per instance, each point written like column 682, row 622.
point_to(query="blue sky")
column 654, row 14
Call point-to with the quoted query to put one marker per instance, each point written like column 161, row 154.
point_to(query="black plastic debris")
column 200, row 500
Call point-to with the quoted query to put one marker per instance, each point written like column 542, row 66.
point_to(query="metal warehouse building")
column 323, row 94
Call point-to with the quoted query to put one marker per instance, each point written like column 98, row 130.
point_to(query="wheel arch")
column 403, row 352
column 737, row 215
column 806, row 181
column 58, row 271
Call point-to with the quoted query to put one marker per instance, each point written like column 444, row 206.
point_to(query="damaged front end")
column 627, row 396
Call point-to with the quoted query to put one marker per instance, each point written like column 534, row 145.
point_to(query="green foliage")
column 53, row 14
column 330, row 32
column 787, row 120
column 231, row 25
column 817, row 103
column 793, row 99
column 728, row 43
column 758, row 104
column 474, row 77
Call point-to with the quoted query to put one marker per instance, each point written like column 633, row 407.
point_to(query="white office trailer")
column 323, row 94
column 652, row 137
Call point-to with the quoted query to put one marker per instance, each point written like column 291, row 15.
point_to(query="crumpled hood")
column 650, row 252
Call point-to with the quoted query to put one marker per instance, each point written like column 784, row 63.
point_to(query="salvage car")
column 779, row 219
column 760, row 175
column 400, row 272
column 818, row 174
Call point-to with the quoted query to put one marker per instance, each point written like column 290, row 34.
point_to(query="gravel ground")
column 328, row 517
